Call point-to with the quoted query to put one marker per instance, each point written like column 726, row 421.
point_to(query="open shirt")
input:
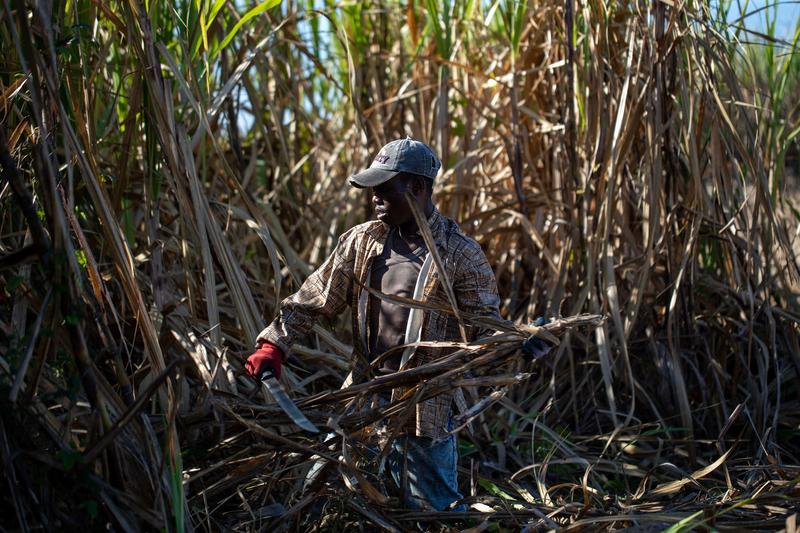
column 331, row 288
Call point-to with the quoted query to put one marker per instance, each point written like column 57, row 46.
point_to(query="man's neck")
column 410, row 227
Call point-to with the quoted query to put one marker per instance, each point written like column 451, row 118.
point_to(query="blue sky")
column 757, row 13
column 786, row 11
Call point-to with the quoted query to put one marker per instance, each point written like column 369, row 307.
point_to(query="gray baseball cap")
column 402, row 155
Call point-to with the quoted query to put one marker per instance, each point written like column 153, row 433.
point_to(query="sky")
column 757, row 12
column 787, row 12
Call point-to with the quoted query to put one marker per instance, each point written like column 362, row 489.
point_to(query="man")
column 390, row 256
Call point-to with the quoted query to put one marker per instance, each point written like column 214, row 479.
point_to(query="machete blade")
column 286, row 403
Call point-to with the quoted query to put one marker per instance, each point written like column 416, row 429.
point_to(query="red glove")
column 267, row 357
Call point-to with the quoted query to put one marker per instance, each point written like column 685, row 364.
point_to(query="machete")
column 271, row 384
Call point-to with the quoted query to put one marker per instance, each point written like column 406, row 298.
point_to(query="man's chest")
column 371, row 265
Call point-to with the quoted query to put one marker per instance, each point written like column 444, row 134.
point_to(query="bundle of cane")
column 470, row 364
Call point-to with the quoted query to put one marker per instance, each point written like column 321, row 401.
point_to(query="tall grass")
column 171, row 170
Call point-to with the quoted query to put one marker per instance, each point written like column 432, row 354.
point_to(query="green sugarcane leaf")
column 520, row 7
column 259, row 9
column 213, row 13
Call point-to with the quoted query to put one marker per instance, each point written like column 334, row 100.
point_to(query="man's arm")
column 475, row 288
column 476, row 292
column 324, row 293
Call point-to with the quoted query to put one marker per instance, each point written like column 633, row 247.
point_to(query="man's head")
column 404, row 165
column 403, row 155
column 390, row 202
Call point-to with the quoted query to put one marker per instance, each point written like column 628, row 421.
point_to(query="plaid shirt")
column 331, row 288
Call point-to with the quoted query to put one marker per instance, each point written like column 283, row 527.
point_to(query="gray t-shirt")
column 394, row 272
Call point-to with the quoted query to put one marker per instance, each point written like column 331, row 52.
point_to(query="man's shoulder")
column 368, row 229
column 460, row 244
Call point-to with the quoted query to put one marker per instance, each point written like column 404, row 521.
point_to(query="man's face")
column 390, row 203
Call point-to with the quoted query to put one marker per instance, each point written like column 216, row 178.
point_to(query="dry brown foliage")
column 161, row 193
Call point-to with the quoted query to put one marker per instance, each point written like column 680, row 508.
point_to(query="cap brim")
column 372, row 177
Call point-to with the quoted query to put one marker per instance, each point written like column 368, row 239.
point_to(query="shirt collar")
column 436, row 222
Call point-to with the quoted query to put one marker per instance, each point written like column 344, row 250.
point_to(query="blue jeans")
column 425, row 470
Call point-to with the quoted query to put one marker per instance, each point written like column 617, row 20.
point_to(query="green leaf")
column 204, row 30
column 520, row 7
column 260, row 8
column 80, row 255
column 214, row 10
column 176, row 486
column 495, row 490
column 684, row 525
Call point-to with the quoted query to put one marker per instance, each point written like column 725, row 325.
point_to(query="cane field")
column 172, row 170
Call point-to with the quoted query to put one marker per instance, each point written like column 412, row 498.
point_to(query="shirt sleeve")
column 475, row 289
column 324, row 293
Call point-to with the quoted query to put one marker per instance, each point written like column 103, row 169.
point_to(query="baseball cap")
column 402, row 155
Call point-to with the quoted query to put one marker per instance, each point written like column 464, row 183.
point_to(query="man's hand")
column 535, row 347
column 268, row 357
